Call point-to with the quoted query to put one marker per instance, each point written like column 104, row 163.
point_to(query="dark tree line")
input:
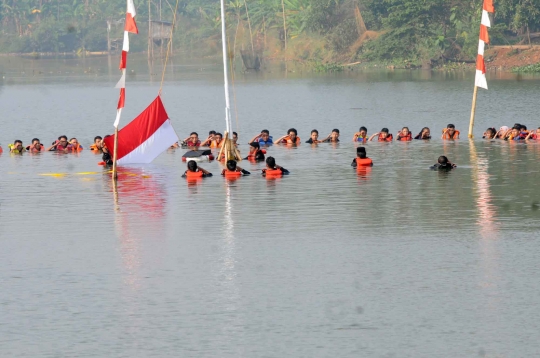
column 338, row 29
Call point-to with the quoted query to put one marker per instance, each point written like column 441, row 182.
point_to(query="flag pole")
column 473, row 112
column 115, row 154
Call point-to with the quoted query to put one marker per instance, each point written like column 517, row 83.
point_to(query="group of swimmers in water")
column 518, row 132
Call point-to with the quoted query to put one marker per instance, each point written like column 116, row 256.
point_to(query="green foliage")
column 402, row 31
column 534, row 68
column 327, row 67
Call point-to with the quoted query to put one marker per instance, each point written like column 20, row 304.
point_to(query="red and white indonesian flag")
column 480, row 79
column 145, row 137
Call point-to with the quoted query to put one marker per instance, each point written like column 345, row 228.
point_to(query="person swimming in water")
column 450, row 132
column 36, row 146
column 361, row 159
column 255, row 152
column 404, row 135
column 17, row 147
column 233, row 169
column 97, row 144
column 272, row 169
column 291, row 138
column 424, row 134
column 443, row 164
column 332, row 137
column 534, row 135
column 383, row 136
column 263, row 138
column 314, row 137
column 61, row 145
column 489, row 133
column 194, row 171
column 361, row 135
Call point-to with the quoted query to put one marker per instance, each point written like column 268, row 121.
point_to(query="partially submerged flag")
column 145, row 137
column 480, row 78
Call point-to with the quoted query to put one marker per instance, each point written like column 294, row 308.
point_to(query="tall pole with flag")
column 129, row 26
column 480, row 78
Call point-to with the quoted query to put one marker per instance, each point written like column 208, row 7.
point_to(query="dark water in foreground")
column 398, row 261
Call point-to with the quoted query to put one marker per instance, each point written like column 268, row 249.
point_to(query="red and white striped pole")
column 129, row 26
column 480, row 77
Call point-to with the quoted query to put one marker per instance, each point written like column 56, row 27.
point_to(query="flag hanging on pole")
column 145, row 137
column 480, row 79
column 129, row 26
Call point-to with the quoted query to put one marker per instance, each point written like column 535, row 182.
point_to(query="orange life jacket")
column 194, row 175
column 1, row 150
column 289, row 140
column 363, row 162
column 232, row 175
column 76, row 148
column 273, row 173
column 252, row 156
column 215, row 144
column 388, row 138
column 447, row 135
column 405, row 138
column 94, row 147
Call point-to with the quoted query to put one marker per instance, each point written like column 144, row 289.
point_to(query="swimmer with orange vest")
column 35, row 147
column 291, row 138
column 361, row 159
column 195, row 172
column 233, row 171
column 404, row 135
column 450, row 132
column 96, row 147
column 314, row 137
column 443, row 164
column 273, row 170
column 255, row 152
column 383, row 136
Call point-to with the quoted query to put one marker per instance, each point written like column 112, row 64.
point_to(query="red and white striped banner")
column 129, row 26
column 480, row 79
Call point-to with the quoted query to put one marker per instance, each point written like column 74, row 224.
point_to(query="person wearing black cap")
column 255, row 152
column 443, row 164
column 361, row 159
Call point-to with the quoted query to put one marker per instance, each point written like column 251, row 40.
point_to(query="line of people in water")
column 233, row 171
column 518, row 132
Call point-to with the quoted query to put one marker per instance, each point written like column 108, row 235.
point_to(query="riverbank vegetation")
column 320, row 33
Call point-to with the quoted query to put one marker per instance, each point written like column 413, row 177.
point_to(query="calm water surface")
column 396, row 261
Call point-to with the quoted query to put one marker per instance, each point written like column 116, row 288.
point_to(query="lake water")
column 395, row 261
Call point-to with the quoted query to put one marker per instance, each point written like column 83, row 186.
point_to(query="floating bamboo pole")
column 473, row 112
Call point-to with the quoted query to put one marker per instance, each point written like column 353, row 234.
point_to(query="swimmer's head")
column 363, row 131
column 314, row 134
column 17, row 143
column 405, row 130
column 292, row 133
column 254, row 146
column 36, row 141
column 384, row 133
column 443, row 161
column 234, row 137
column 211, row 133
column 219, row 137
column 425, row 131
column 231, row 165
column 523, row 128
column 361, row 152
column 192, row 166
column 335, row 133
column 270, row 162
column 97, row 140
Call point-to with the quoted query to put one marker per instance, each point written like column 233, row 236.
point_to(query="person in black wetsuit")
column 443, row 164
column 106, row 157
